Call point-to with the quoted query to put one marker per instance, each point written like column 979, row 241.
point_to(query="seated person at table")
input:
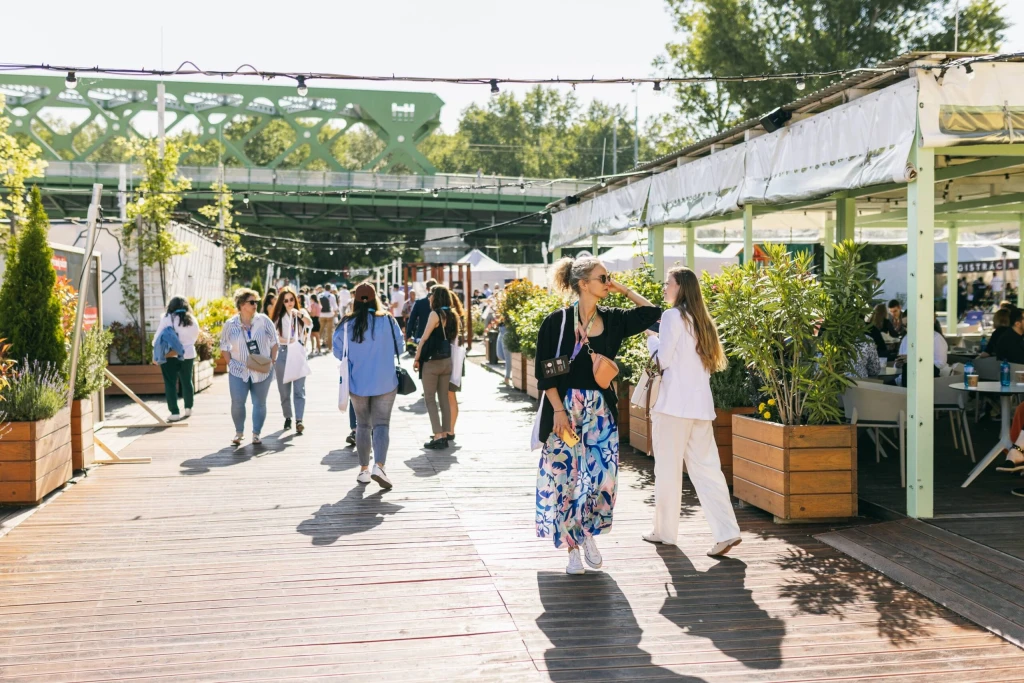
column 1001, row 322
column 897, row 319
column 879, row 324
column 1011, row 342
column 940, row 349
column 867, row 363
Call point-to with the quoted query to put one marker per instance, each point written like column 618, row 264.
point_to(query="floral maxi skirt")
column 576, row 486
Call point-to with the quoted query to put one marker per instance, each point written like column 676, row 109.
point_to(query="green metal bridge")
column 76, row 128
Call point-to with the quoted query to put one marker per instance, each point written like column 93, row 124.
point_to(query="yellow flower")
column 771, row 401
column 760, row 407
column 767, row 415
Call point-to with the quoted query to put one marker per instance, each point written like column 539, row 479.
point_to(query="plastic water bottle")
column 1004, row 374
column 968, row 371
column 984, row 343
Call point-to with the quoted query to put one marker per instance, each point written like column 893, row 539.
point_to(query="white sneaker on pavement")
column 364, row 477
column 591, row 554
column 174, row 417
column 187, row 413
column 575, row 565
column 723, row 547
column 379, row 477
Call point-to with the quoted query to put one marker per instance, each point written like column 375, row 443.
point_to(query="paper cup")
column 972, row 380
column 1020, row 376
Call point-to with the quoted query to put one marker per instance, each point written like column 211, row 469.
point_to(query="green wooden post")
column 952, row 266
column 656, row 249
column 691, row 246
column 846, row 217
column 594, row 249
column 920, row 352
column 1020, row 280
column 829, row 242
column 748, row 233
column 557, row 253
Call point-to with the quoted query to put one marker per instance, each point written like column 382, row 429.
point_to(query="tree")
column 257, row 286
column 158, row 194
column 222, row 212
column 741, row 37
column 30, row 315
column 18, row 162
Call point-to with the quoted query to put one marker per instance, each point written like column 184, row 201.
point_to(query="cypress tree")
column 29, row 308
column 257, row 284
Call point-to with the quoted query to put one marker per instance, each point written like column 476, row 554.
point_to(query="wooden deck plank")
column 212, row 564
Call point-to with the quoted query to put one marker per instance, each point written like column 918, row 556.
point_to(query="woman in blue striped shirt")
column 248, row 332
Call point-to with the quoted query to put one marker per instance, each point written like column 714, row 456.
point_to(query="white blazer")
column 685, row 385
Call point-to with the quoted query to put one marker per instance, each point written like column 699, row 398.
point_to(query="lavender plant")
column 35, row 391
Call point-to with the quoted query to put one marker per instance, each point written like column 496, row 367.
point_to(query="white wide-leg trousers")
column 678, row 439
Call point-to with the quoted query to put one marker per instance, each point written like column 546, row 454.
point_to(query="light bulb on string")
column 344, row 196
column 367, row 252
column 657, row 86
column 435, row 192
column 331, row 252
column 301, row 88
column 273, row 244
column 494, row 86
column 245, row 199
column 515, row 250
column 801, row 84
column 71, row 82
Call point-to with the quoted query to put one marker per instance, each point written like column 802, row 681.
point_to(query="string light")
column 245, row 199
column 71, row 82
column 301, row 89
column 494, row 86
column 657, row 86
column 801, row 84
column 344, row 196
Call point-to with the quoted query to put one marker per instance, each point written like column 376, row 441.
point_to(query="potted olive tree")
column 797, row 331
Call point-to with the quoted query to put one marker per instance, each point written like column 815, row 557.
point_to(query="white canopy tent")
column 629, row 257
column 972, row 261
column 486, row 270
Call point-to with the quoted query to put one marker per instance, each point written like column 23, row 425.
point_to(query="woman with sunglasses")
column 248, row 333
column 434, row 363
column 688, row 352
column 292, row 325
column 579, row 464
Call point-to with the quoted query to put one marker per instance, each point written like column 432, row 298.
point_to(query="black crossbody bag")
column 406, row 385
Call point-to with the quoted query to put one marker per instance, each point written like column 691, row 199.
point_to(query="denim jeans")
column 373, row 419
column 239, row 390
column 508, row 356
column 286, row 390
column 500, row 343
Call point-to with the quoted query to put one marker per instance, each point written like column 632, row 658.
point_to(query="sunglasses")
column 603, row 279
column 250, row 301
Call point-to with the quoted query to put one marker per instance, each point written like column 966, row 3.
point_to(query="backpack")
column 314, row 307
column 325, row 303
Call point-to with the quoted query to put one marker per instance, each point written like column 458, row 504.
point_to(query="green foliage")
column 528, row 318
column 511, row 299
column 222, row 208
column 793, row 329
column 30, row 312
column 18, row 162
column 92, row 361
column 127, row 345
column 36, row 391
column 737, row 37
column 158, row 195
column 731, row 387
column 257, row 284
column 633, row 356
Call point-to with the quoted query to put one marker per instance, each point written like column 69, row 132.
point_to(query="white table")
column 1005, row 418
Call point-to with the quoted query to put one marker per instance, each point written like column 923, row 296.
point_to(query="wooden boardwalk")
column 212, row 564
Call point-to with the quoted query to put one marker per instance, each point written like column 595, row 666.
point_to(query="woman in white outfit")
column 688, row 351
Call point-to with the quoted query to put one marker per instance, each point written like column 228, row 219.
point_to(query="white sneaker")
column 591, row 553
column 174, row 417
column 187, row 413
column 379, row 477
column 364, row 477
column 723, row 547
column 575, row 565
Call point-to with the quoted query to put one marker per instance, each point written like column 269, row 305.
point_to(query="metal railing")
column 239, row 178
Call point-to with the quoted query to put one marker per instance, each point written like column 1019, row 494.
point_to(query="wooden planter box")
column 35, row 458
column 147, row 379
column 797, row 473
column 518, row 371
column 220, row 366
column 530, row 377
column 623, row 390
column 82, row 446
column 723, row 437
column 640, row 429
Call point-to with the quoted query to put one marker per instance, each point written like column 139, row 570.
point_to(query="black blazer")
column 619, row 323
column 417, row 321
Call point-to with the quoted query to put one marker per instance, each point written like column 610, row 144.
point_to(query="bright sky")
column 528, row 38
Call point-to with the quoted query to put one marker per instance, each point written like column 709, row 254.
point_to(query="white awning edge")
column 708, row 186
column 985, row 106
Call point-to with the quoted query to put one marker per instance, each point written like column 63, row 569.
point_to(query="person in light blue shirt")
column 373, row 342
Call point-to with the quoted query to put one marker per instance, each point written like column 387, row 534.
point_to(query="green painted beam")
column 1006, row 150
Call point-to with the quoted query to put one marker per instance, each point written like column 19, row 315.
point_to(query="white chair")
column 952, row 402
column 875, row 407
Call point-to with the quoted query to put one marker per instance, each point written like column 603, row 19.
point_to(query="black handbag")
column 406, row 385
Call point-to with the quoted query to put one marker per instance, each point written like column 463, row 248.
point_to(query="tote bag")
column 647, row 389
column 458, row 360
column 343, row 374
column 295, row 366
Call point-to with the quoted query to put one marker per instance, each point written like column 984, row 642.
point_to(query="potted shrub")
column 511, row 299
column 132, row 361
column 90, row 378
column 634, row 421
column 35, row 451
column 797, row 331
column 211, row 318
column 528, row 319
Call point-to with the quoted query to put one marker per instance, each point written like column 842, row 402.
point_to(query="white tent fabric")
column 986, row 106
column 709, row 186
column 629, row 257
column 485, row 270
column 620, row 209
column 894, row 271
